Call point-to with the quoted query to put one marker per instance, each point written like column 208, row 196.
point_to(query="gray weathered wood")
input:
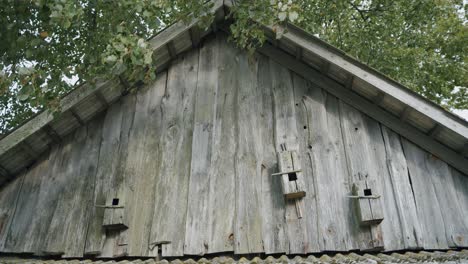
column 221, row 204
column 381, row 83
column 108, row 158
column 454, row 217
column 196, row 228
column 110, row 178
column 286, row 134
column 140, row 168
column 329, row 169
column 47, row 199
column 273, row 205
column 9, row 195
column 45, row 117
column 248, row 160
column 400, row 184
column 461, row 185
column 450, row 156
column 290, row 165
column 427, row 204
column 59, row 225
column 170, row 206
column 301, row 88
column 360, row 167
column 83, row 184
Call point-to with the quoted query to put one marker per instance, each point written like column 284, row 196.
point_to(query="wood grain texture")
column 273, row 205
column 9, row 195
column 108, row 159
column 141, row 168
column 361, row 167
column 171, row 186
column 286, row 133
column 51, row 182
column 329, row 169
column 427, row 204
column 454, row 219
column 311, row 210
column 84, row 181
column 401, row 187
column 248, row 160
column 221, row 203
column 190, row 159
column 196, row 228
column 112, row 243
column 60, row 222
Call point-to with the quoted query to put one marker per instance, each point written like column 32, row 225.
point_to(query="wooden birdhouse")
column 291, row 174
column 114, row 217
column 368, row 203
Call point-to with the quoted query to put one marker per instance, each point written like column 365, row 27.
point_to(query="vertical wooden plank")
column 398, row 183
column 310, row 200
column 273, row 205
column 25, row 210
column 456, row 230
column 29, row 210
column 366, row 163
column 427, row 204
column 221, row 205
column 461, row 187
column 49, row 195
column 112, row 171
column 329, row 169
column 9, row 196
column 108, row 159
column 286, row 133
column 83, row 184
column 171, row 187
column 141, row 168
column 248, row 162
column 61, row 220
column 196, row 228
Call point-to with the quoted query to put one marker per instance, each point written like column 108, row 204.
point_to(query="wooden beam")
column 102, row 99
column 464, row 150
column 435, row 130
column 45, row 117
column 53, row 135
column 28, row 149
column 325, row 68
column 378, row 99
column 76, row 116
column 386, row 118
column 4, row 171
column 299, row 53
column 349, row 82
column 195, row 36
column 405, row 113
column 171, row 49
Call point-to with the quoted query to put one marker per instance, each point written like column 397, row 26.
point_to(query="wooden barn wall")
column 191, row 156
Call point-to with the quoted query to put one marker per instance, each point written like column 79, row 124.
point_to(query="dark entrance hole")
column 292, row 176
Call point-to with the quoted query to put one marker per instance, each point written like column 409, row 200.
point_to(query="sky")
column 462, row 113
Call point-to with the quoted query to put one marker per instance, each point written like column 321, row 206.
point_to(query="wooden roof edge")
column 385, row 84
column 40, row 120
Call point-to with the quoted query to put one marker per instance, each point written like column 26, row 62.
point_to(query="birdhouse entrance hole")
column 292, row 176
column 115, row 201
column 367, row 192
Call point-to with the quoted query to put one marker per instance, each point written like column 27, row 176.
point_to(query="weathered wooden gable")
column 190, row 159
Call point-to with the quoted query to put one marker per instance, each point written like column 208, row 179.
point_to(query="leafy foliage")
column 49, row 46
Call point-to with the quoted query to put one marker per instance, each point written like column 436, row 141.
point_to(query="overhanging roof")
column 438, row 131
